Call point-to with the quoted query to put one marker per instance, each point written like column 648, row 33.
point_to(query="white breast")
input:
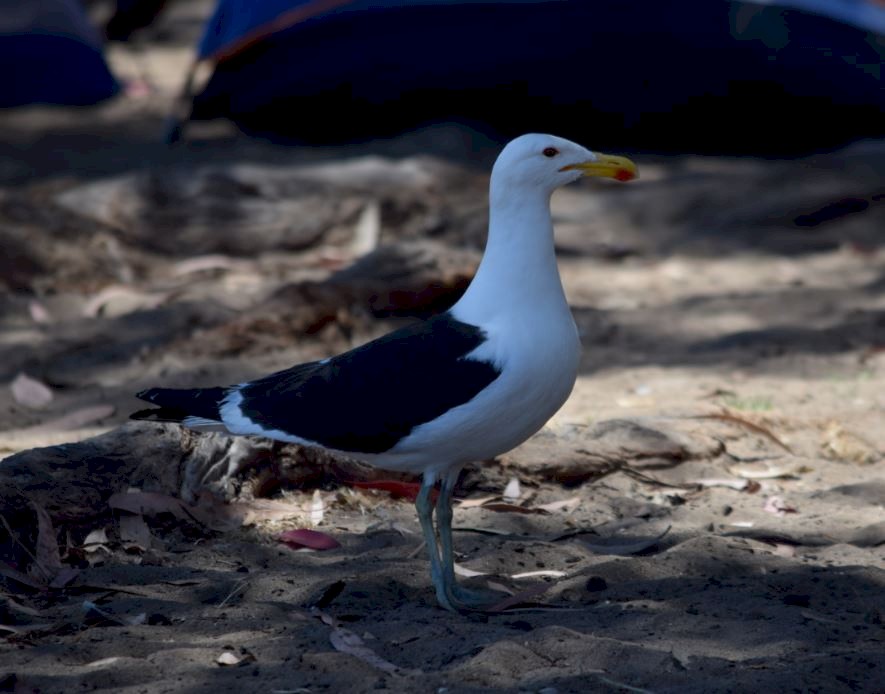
column 539, row 362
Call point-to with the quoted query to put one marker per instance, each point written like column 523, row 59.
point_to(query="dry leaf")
column 118, row 300
column 39, row 313
column 317, row 508
column 94, row 539
column 231, row 659
column 513, row 490
column 134, row 533
column 521, row 596
column 147, row 504
column 738, row 485
column 513, row 508
column 303, row 538
column 777, row 506
column 30, row 392
column 346, row 641
column 368, row 229
column 763, row 470
column 534, row 574
column 621, row 546
column 473, row 503
column 46, row 551
column 561, row 505
column 202, row 263
column 467, row 573
column 18, row 576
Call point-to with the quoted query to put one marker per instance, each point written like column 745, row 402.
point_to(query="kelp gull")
column 463, row 386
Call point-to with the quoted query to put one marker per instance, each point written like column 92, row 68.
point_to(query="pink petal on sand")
column 312, row 539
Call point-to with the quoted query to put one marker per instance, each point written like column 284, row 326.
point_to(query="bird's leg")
column 461, row 597
column 424, row 506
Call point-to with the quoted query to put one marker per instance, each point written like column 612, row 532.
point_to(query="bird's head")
column 546, row 162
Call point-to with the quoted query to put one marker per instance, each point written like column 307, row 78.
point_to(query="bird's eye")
column 550, row 152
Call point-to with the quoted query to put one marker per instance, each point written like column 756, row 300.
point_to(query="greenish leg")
column 457, row 595
column 424, row 506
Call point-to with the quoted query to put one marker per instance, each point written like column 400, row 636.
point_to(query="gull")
column 463, row 386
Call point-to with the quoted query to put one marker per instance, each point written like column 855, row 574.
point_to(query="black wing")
column 362, row 401
column 367, row 399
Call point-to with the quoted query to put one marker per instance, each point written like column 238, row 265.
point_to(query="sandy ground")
column 704, row 515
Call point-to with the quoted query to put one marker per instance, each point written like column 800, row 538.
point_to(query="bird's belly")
column 531, row 388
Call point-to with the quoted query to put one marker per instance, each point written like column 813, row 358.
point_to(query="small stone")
column 595, row 583
column 797, row 600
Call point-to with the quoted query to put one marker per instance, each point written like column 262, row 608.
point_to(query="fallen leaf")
column 619, row 546
column 97, row 617
column 30, row 392
column 467, row 573
column 346, row 641
column 310, row 539
column 513, row 490
column 367, row 230
column 513, row 508
column 777, row 506
column 104, row 662
column 560, row 505
column 521, row 596
column 18, row 607
column 46, row 553
column 134, row 533
column 763, row 470
column 202, row 263
column 317, row 508
column 744, row 485
column 474, row 503
column 327, row 596
column 533, row 574
column 231, row 659
column 147, row 504
column 99, row 536
column 737, row 485
column 39, row 313
column 19, row 577
column 815, row 617
column 118, row 300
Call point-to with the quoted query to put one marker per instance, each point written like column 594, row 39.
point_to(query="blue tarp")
column 51, row 54
column 702, row 75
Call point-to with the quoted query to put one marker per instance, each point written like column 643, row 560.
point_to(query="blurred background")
column 196, row 189
column 196, row 192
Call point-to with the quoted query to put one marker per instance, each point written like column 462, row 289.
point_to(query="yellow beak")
column 608, row 166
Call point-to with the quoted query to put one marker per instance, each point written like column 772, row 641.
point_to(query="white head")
column 545, row 162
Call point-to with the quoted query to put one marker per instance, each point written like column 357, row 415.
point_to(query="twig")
column 236, row 589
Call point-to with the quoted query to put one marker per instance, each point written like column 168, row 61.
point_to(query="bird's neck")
column 518, row 271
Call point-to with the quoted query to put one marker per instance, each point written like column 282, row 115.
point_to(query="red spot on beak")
column 624, row 175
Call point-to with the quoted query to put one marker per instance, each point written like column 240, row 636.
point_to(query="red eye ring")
column 550, row 152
